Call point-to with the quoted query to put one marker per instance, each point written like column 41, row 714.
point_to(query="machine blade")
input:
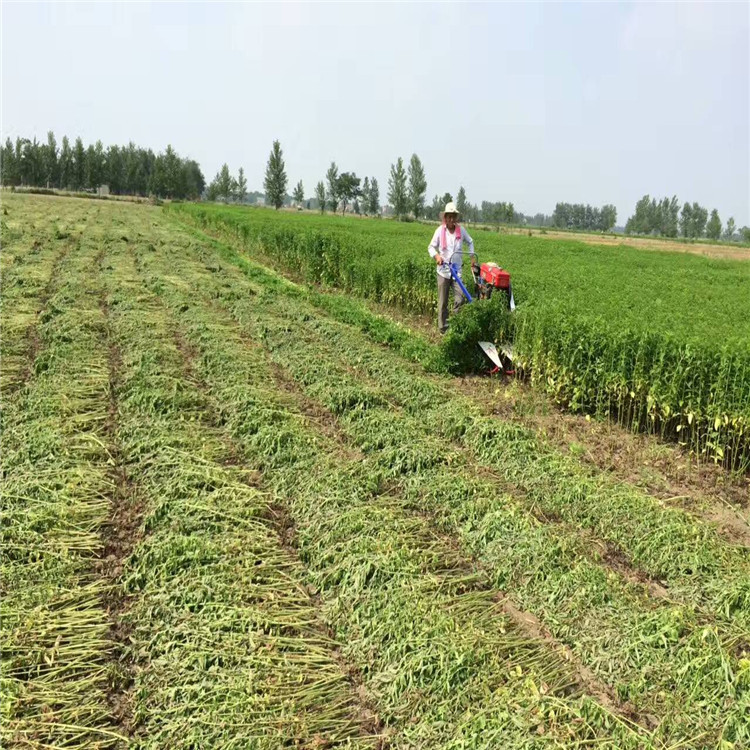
column 491, row 351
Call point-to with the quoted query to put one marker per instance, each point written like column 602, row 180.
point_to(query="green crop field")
column 239, row 512
column 656, row 341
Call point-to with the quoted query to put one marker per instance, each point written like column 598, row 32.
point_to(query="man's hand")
column 439, row 259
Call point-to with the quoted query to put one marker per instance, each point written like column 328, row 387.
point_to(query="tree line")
column 127, row 170
column 665, row 218
column 584, row 217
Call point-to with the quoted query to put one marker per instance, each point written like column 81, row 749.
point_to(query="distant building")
column 102, row 190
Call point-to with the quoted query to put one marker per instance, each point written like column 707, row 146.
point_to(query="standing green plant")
column 398, row 195
column 417, row 186
column 276, row 179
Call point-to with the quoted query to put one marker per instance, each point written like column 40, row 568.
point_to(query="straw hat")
column 450, row 208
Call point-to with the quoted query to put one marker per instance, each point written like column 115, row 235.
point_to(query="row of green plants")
column 56, row 650
column 681, row 660
column 656, row 341
column 441, row 662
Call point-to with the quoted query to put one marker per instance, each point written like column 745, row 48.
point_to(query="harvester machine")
column 489, row 278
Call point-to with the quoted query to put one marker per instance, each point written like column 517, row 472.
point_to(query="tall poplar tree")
column 276, row 179
column 320, row 195
column 241, row 185
column 417, row 186
column 398, row 195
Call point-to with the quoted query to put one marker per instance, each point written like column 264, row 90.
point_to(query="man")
column 448, row 240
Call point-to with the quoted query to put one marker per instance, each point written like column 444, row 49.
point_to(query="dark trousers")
column 444, row 287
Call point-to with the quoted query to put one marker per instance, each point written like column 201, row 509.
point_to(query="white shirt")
column 452, row 248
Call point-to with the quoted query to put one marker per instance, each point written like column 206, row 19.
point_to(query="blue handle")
column 457, row 279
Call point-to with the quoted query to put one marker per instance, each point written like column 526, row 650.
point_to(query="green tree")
column 299, row 194
column 729, row 232
column 417, row 186
column 65, row 164
column 461, row 201
column 241, row 185
column 745, row 235
column 366, row 195
column 9, row 164
column 224, row 184
column 435, row 208
column 373, row 206
column 115, row 169
column 608, row 217
column 30, row 161
column 195, row 182
column 700, row 217
column 332, row 178
column 347, row 188
column 713, row 228
column 686, row 220
column 276, row 179
column 50, row 161
column 320, row 195
column 398, row 195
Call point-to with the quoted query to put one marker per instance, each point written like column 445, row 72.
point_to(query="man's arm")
column 433, row 247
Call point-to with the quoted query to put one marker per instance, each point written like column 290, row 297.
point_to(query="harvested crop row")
column 228, row 647
column 428, row 634
column 30, row 267
column 620, row 635
column 618, row 335
column 55, row 502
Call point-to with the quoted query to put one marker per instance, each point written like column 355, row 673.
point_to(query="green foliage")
column 127, row 170
column 241, row 185
column 618, row 334
column 417, row 186
column 347, row 188
column 332, row 180
column 578, row 216
column 483, row 320
column 373, row 202
column 654, row 217
column 713, row 228
column 299, row 193
column 320, row 195
column 276, row 179
column 730, row 230
column 398, row 195
column 461, row 202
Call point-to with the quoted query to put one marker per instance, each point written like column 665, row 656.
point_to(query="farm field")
column 656, row 341
column 233, row 517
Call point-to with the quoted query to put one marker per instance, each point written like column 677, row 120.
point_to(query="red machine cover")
column 493, row 275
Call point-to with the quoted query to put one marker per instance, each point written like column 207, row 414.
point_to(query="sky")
column 532, row 103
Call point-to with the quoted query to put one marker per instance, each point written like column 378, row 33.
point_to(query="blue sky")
column 533, row 103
